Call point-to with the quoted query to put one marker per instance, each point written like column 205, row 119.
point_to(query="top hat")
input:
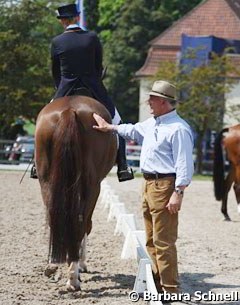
column 164, row 89
column 67, row 11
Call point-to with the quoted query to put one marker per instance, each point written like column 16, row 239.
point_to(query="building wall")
column 232, row 103
column 232, row 106
column 145, row 86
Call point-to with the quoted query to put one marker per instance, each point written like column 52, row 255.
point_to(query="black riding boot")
column 33, row 173
column 124, row 173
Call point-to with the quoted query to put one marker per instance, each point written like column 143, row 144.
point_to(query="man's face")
column 156, row 104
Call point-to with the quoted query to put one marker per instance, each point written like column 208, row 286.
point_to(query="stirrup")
column 126, row 174
column 33, row 173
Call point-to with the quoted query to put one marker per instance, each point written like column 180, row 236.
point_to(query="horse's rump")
column 230, row 144
column 72, row 158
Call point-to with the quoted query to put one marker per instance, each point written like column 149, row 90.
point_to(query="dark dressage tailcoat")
column 77, row 62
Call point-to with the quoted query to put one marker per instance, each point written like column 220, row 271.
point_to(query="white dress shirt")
column 167, row 145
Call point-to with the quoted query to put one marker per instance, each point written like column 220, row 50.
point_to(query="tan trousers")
column 161, row 232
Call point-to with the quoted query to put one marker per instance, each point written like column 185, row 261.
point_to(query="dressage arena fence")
column 135, row 240
column 20, row 152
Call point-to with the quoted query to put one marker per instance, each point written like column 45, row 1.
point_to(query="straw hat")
column 164, row 89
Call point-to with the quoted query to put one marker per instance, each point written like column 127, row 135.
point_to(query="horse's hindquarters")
column 71, row 158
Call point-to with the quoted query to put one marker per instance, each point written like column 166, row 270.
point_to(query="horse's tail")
column 64, row 209
column 218, row 166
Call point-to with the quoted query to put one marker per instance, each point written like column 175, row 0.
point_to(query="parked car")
column 7, row 148
column 133, row 154
column 23, row 149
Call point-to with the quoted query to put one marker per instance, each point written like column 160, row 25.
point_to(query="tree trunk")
column 199, row 161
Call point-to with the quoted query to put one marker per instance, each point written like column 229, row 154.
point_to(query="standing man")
column 167, row 165
column 77, row 70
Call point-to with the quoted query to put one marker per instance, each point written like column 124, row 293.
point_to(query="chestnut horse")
column 227, row 146
column 72, row 159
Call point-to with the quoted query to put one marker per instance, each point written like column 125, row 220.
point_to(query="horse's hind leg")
column 73, row 283
column 82, row 255
column 91, row 198
column 227, row 186
column 236, row 188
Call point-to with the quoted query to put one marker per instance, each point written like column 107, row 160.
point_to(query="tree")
column 109, row 12
column 133, row 23
column 91, row 14
column 125, row 51
column 26, row 29
column 175, row 9
column 203, row 91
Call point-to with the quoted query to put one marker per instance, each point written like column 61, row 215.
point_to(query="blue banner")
column 80, row 8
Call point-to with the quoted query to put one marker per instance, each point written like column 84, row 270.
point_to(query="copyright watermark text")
column 232, row 296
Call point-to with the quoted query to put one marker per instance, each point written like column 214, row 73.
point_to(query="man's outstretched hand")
column 102, row 125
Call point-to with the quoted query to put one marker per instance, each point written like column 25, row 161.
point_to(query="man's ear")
column 62, row 21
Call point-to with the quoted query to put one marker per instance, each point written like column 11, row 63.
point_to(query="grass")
column 202, row 177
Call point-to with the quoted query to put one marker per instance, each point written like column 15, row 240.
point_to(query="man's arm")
column 182, row 149
column 182, row 154
column 56, row 72
column 127, row 131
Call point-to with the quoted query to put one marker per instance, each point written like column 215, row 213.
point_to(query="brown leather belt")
column 157, row 176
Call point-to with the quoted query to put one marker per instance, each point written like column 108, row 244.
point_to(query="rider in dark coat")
column 77, row 65
column 77, row 62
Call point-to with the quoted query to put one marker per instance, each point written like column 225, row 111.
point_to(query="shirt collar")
column 72, row 26
column 165, row 117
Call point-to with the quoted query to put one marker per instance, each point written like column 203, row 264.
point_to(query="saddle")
column 82, row 91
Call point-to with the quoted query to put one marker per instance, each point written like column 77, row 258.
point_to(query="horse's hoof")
column 227, row 219
column 71, row 287
column 238, row 208
column 50, row 270
column 82, row 267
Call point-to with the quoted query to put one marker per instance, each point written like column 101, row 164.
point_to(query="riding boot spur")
column 124, row 173
column 33, row 173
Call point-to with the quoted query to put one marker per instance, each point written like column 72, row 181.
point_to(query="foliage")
column 109, row 13
column 202, row 90
column 91, row 14
column 125, row 27
column 26, row 29
column 175, row 9
column 125, row 51
column 133, row 24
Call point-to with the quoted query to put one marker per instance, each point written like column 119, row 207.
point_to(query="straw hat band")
column 164, row 94
column 164, row 89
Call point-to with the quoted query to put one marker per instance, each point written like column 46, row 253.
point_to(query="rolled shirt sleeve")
column 133, row 132
column 182, row 147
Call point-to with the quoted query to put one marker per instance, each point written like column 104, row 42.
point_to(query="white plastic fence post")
column 151, row 287
column 130, row 244
column 140, row 282
column 116, row 210
column 125, row 222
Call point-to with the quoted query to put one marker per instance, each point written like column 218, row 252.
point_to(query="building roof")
column 220, row 18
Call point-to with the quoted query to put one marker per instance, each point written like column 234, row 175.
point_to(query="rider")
column 77, row 69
